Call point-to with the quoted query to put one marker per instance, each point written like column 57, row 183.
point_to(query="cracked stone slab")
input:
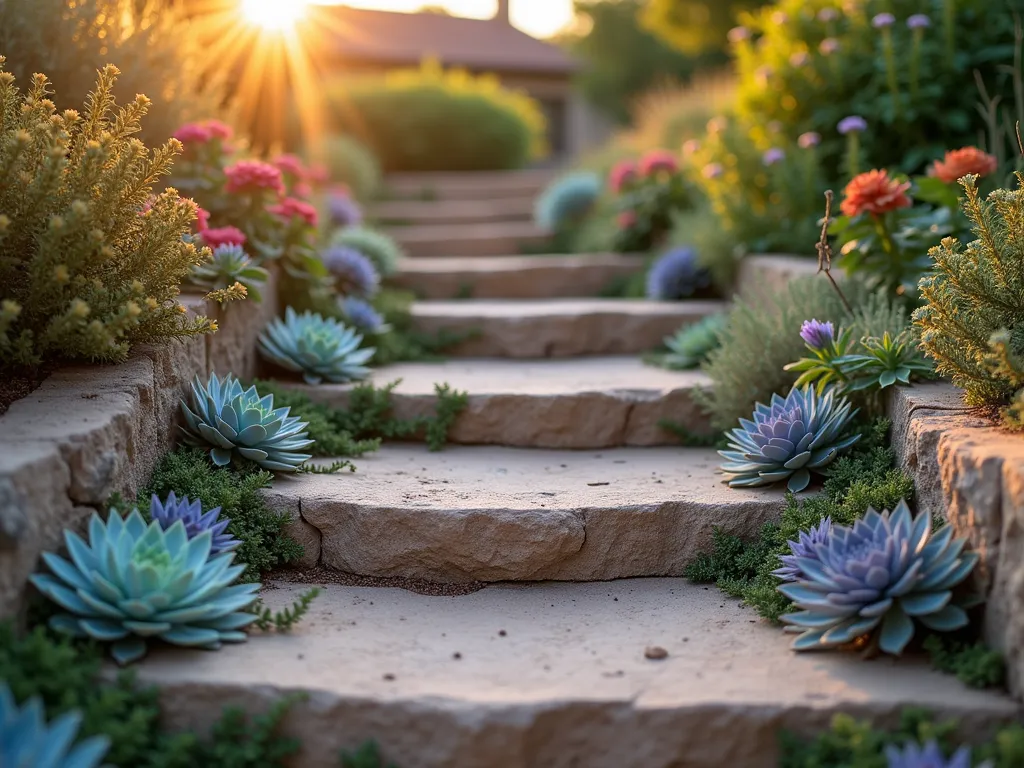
column 498, row 238
column 559, row 327
column 551, row 674
column 596, row 402
column 471, row 185
column 452, row 212
column 515, row 277
column 499, row 514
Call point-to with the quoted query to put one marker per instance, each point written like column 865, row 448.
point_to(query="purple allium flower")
column 929, row 756
column 344, row 211
column 353, row 273
column 190, row 513
column 712, row 171
column 828, row 14
column 676, row 274
column 918, row 21
column 799, row 59
column 805, row 546
column 817, row 334
column 738, row 34
column 361, row 314
column 809, row 139
column 852, row 124
column 883, row 20
column 828, row 46
column 773, row 156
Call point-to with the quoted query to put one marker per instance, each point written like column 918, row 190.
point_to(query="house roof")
column 385, row 37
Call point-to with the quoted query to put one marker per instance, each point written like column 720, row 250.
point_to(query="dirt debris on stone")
column 321, row 575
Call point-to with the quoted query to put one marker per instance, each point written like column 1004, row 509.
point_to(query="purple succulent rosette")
column 929, row 756
column 167, row 513
column 805, row 546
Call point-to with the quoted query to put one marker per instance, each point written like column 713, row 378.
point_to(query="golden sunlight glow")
column 274, row 15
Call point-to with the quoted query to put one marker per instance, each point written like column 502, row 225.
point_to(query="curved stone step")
column 559, row 327
column 451, row 212
column 470, row 185
column 496, row 238
column 552, row 675
column 515, row 277
column 503, row 514
column 594, row 402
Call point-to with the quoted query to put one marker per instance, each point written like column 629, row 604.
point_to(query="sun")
column 274, row 15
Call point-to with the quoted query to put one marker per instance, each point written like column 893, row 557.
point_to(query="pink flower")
column 253, row 176
column 318, row 173
column 623, row 174
column 223, row 236
column 343, row 190
column 302, row 189
column 626, row 219
column 290, row 208
column 658, row 161
column 291, row 165
column 219, row 130
column 202, row 220
column 193, row 133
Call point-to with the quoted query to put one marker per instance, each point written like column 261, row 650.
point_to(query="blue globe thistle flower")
column 362, row 315
column 344, row 211
column 190, row 513
column 354, row 274
column 676, row 274
column 804, row 546
column 928, row 756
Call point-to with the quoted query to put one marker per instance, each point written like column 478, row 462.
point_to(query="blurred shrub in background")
column 352, row 163
column 152, row 45
column 432, row 119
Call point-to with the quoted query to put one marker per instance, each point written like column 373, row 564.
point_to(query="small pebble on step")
column 655, row 653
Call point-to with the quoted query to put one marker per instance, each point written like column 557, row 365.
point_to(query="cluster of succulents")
column 28, row 741
column 379, row 248
column 676, row 274
column 876, row 577
column 691, row 344
column 133, row 581
column 788, row 439
column 235, row 423
column 190, row 513
column 321, row 349
column 230, row 265
column 567, row 200
column 354, row 274
column 929, row 755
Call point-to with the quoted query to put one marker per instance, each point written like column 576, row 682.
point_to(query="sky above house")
column 540, row 18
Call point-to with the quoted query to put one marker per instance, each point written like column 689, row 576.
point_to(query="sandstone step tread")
column 450, row 212
column 554, row 675
column 595, row 402
column 496, row 514
column 474, row 185
column 515, row 277
column 496, row 238
column 559, row 327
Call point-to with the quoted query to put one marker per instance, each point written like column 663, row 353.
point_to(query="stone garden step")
column 477, row 185
column 594, row 402
column 452, row 212
column 502, row 514
column 559, row 327
column 515, row 277
column 552, row 675
column 498, row 238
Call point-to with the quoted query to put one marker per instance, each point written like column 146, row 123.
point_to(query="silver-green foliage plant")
column 230, row 265
column 877, row 577
column 691, row 344
column 132, row 582
column 567, row 200
column 28, row 741
column 90, row 261
column 378, row 247
column 972, row 322
column 319, row 348
column 235, row 423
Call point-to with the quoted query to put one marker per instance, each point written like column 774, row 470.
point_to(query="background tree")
column 694, row 26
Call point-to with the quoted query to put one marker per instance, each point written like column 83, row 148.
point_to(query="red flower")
column 202, row 220
column 622, row 175
column 193, row 133
column 253, row 176
column 875, row 193
column 960, row 162
column 291, row 165
column 658, row 161
column 626, row 219
column 290, row 208
column 219, row 130
column 223, row 236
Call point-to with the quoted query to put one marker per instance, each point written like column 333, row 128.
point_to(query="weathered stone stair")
column 451, row 212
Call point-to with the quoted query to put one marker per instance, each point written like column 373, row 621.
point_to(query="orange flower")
column 959, row 162
column 875, row 193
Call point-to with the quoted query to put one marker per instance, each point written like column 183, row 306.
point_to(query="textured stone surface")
column 769, row 273
column 480, row 185
column 452, row 212
column 495, row 514
column 515, row 277
column 559, row 327
column 498, row 238
column 971, row 471
column 552, row 676
column 595, row 402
